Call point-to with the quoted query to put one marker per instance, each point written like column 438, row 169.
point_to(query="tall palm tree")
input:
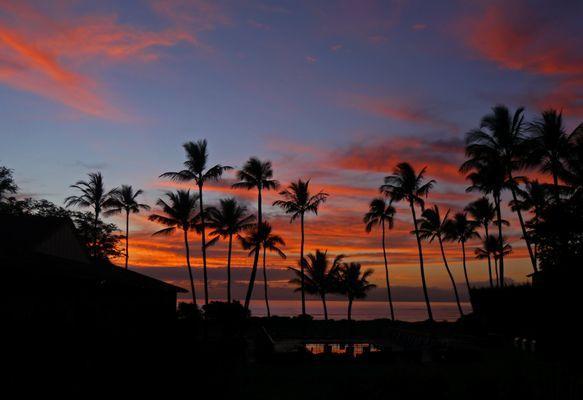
column 179, row 210
column 431, row 227
column 265, row 239
column 297, row 202
column 549, row 145
column 319, row 275
column 406, row 184
column 491, row 248
column 382, row 214
column 501, row 139
column 125, row 199
column 7, row 184
column 353, row 283
column 93, row 195
column 461, row 229
column 226, row 221
column 195, row 169
column 487, row 176
column 483, row 212
column 256, row 174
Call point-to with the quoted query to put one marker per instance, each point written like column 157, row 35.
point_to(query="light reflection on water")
column 355, row 349
column 409, row 311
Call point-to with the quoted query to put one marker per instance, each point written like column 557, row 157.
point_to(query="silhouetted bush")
column 225, row 312
column 189, row 312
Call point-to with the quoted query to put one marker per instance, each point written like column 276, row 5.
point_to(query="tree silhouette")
column 7, row 184
column 431, row 227
column 501, row 140
column 255, row 174
column 179, row 210
column 461, row 229
column 93, row 195
column 227, row 220
column 297, row 202
column 353, row 283
column 405, row 184
column 319, row 275
column 483, row 212
column 382, row 214
column 491, row 248
column 125, row 199
column 265, row 239
column 195, row 169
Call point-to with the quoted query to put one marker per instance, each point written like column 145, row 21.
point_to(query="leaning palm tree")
column 125, row 200
column 93, row 195
column 382, row 214
column 179, row 210
column 501, row 139
column 319, row 275
column 549, row 145
column 406, row 184
column 483, row 212
column 195, row 169
column 265, row 239
column 227, row 220
column 461, row 229
column 432, row 226
column 255, row 174
column 297, row 202
column 353, row 283
column 7, row 184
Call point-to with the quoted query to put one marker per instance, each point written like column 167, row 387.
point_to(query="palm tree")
column 297, row 203
column 7, row 184
column 93, row 195
column 406, row 184
column 483, row 212
column 501, row 139
column 195, row 169
column 382, row 214
column 263, row 238
column 319, row 275
column 179, row 210
column 125, row 199
column 461, row 229
column 255, row 174
column 226, row 221
column 431, row 227
column 549, row 145
column 491, row 248
column 353, row 283
column 487, row 176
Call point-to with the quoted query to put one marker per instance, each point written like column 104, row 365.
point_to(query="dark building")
column 47, row 278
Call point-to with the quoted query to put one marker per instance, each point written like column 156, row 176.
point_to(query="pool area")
column 352, row 349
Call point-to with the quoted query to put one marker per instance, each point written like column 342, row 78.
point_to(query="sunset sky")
column 335, row 91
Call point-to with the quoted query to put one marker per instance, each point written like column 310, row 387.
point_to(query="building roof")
column 48, row 247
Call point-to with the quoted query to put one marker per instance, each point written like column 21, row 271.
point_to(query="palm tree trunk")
column 203, row 244
column 387, row 273
column 127, row 236
column 423, row 282
column 229, row 268
column 501, row 240
column 489, row 258
column 265, row 283
column 95, row 233
column 455, row 292
column 524, row 232
column 302, row 263
column 464, row 264
column 496, row 270
column 256, row 256
column 325, row 307
column 350, row 309
column 189, row 268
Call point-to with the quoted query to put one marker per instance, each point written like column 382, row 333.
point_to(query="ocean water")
column 410, row 311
